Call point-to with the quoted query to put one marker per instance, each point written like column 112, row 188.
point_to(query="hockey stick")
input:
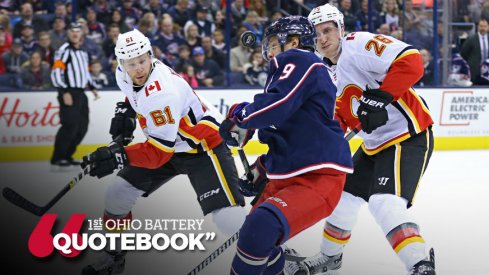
column 352, row 133
column 22, row 202
column 214, row 254
column 19, row 200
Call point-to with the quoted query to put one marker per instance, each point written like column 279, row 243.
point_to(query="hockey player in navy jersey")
column 308, row 158
column 374, row 76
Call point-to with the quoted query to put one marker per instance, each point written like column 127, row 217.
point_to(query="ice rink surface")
column 451, row 207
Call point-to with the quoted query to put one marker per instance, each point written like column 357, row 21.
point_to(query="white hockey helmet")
column 131, row 44
column 326, row 13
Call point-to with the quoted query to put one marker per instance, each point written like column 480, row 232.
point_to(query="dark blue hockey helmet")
column 286, row 26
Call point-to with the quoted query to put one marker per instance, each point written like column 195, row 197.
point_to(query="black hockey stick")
column 214, row 254
column 20, row 201
column 352, row 133
column 17, row 199
column 244, row 160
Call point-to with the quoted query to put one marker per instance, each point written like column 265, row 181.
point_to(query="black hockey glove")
column 371, row 112
column 252, row 185
column 123, row 123
column 105, row 160
column 233, row 135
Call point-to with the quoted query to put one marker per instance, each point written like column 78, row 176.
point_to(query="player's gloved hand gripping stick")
column 22, row 202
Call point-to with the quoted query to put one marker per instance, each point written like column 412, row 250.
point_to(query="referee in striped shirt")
column 70, row 75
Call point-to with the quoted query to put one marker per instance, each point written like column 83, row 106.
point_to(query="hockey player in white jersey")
column 182, row 138
column 374, row 75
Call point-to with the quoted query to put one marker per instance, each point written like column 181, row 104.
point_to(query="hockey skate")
column 109, row 263
column 318, row 264
column 425, row 267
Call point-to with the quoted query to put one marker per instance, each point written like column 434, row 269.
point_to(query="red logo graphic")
column 17, row 116
column 153, row 87
column 41, row 241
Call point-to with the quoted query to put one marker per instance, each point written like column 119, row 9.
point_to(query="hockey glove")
column 371, row 112
column 123, row 123
column 232, row 134
column 252, row 185
column 105, row 160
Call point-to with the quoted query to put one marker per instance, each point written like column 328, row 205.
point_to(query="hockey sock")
column 334, row 239
column 407, row 242
column 257, row 241
column 276, row 262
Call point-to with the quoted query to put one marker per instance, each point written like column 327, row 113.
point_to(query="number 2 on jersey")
column 161, row 118
column 376, row 43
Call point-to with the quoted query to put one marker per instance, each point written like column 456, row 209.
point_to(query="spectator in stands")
column 363, row 16
column 350, row 20
column 192, row 37
column 256, row 70
column 13, row 61
column 384, row 29
column 130, row 13
column 5, row 23
column 58, row 33
column 168, row 40
column 47, row 51
column 104, row 9
column 158, row 54
column 155, row 7
column 213, row 53
column 116, row 18
column 93, row 49
column 35, row 74
column 206, row 71
column 413, row 19
column 205, row 27
column 427, row 78
column 96, row 29
column 253, row 24
column 5, row 45
column 218, row 40
column 180, row 12
column 98, row 76
column 183, row 58
column 189, row 75
column 239, row 56
column 147, row 25
column 28, row 18
column 460, row 72
column 238, row 11
column 111, row 76
column 28, row 39
column 109, row 43
column 220, row 20
column 261, row 10
column 390, row 14
column 475, row 50
column 38, row 6
column 61, row 12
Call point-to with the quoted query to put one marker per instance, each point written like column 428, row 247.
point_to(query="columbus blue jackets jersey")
column 295, row 118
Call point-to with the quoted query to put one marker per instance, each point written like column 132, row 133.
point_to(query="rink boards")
column 29, row 120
